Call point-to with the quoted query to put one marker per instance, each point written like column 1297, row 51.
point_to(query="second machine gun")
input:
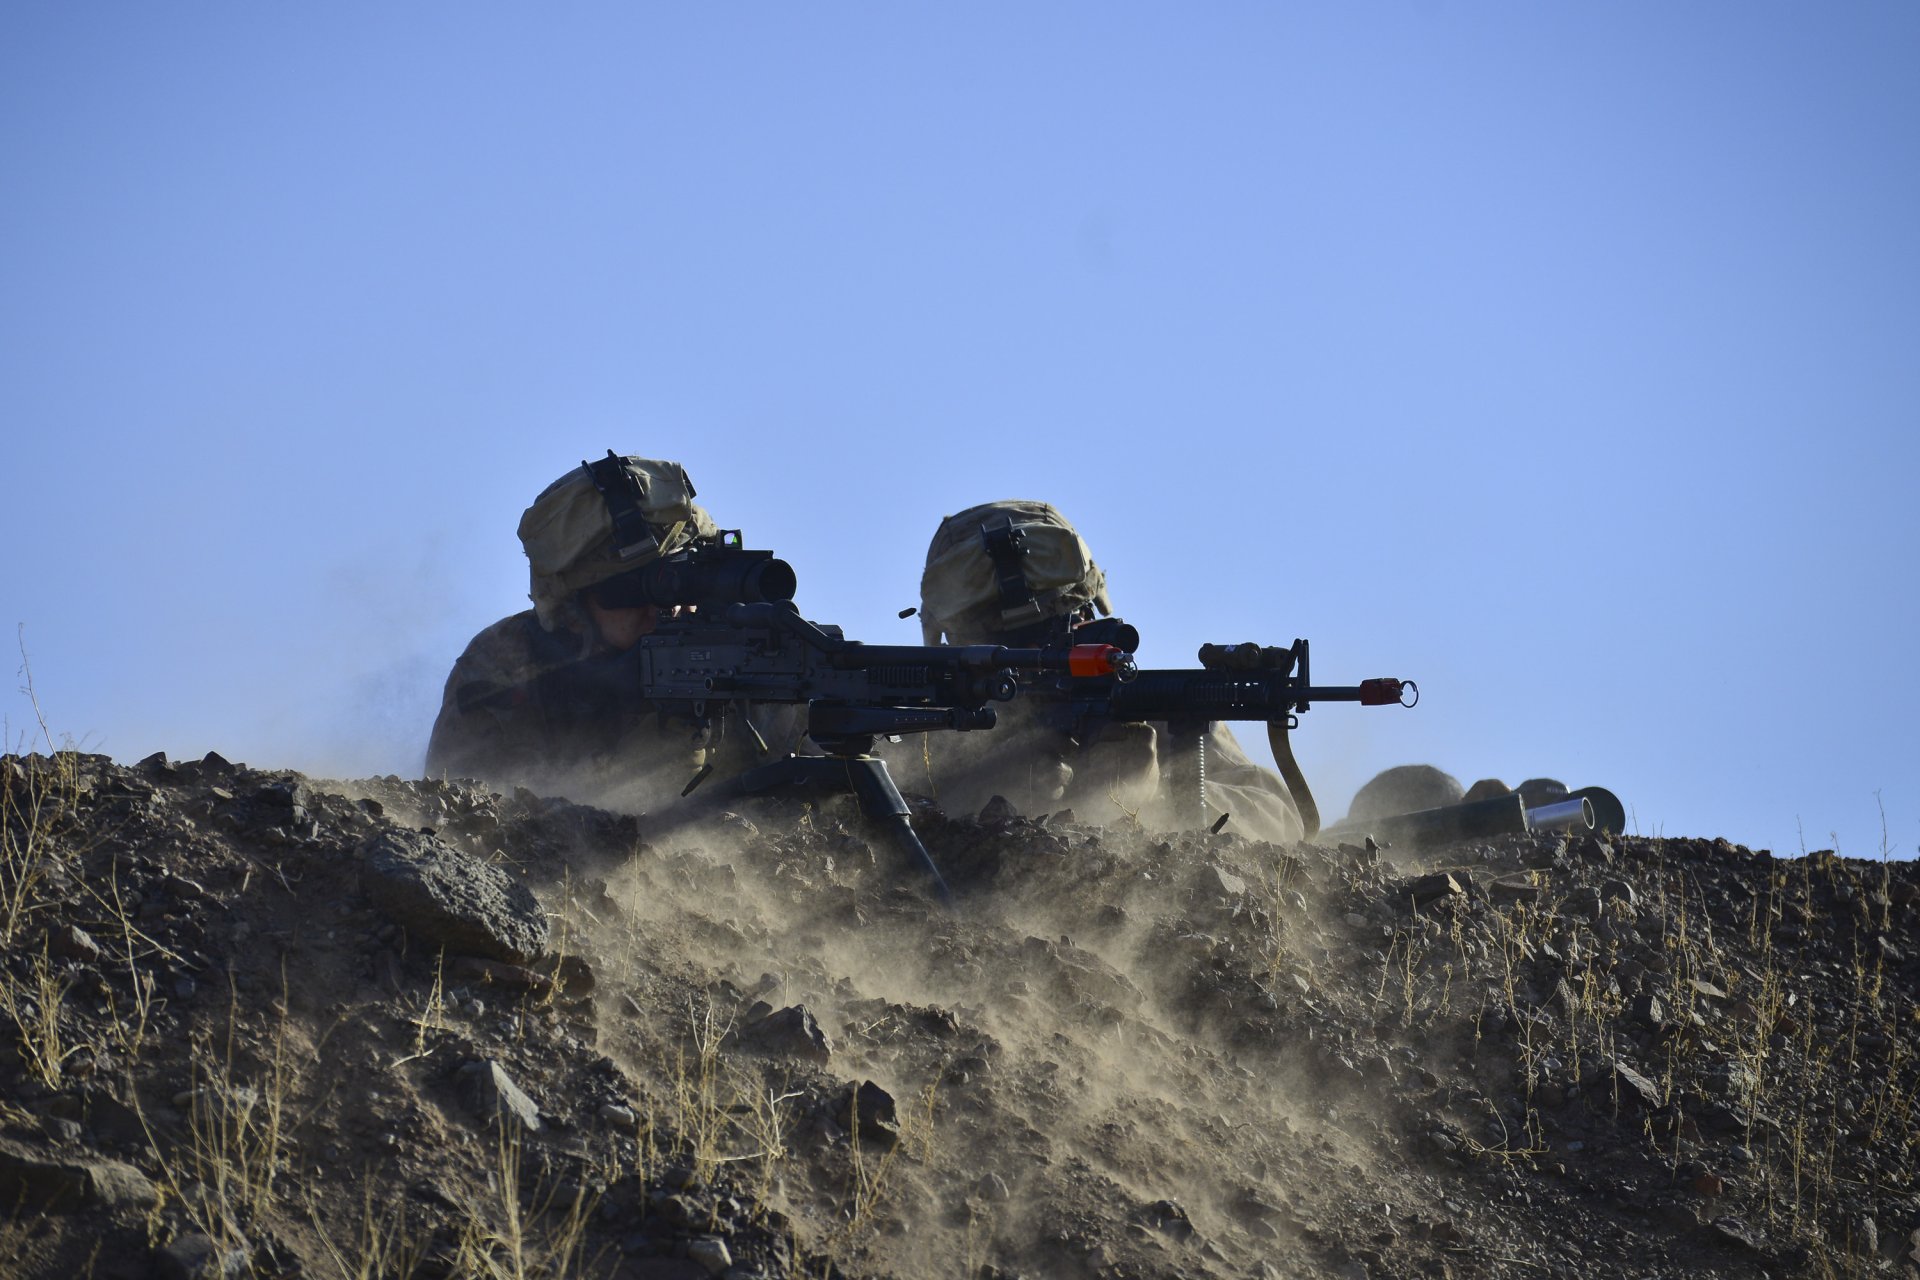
column 1234, row 682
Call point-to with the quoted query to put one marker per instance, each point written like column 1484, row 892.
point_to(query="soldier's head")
column 998, row 572
column 598, row 521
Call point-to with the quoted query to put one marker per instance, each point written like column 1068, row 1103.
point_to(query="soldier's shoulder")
column 515, row 628
column 508, row 651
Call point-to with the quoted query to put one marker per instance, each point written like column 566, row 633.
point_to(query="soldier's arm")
column 480, row 731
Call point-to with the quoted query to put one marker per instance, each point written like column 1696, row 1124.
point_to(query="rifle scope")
column 707, row 578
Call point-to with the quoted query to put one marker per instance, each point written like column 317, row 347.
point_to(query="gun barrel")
column 1574, row 815
column 1476, row 819
column 1232, row 695
column 1502, row 815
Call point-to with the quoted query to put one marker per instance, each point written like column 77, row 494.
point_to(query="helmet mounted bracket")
column 1004, row 546
column 623, row 493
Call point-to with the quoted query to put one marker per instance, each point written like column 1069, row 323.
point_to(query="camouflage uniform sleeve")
column 1019, row 761
column 1117, row 777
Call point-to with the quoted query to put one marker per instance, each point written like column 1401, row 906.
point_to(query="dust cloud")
column 1071, row 1030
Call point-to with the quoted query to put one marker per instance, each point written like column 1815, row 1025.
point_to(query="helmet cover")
column 574, row 539
column 1002, row 566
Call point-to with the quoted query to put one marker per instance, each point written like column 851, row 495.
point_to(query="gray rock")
column 493, row 1095
column 1632, row 1087
column 286, row 794
column 1510, row 889
column 1430, row 888
column 197, row 1257
column 1219, row 883
column 1169, row 1216
column 791, row 1030
column 118, row 1185
column 1584, row 901
column 680, row 1212
column 996, row 811
column 34, row 1180
column 1865, row 1238
column 448, row 899
column 71, row 942
column 1730, row 1079
column 711, row 1254
column 868, row 1111
column 61, row 1129
column 1736, row 1234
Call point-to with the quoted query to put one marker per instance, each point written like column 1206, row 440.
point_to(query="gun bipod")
column 864, row 775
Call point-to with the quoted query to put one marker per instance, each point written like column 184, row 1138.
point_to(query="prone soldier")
column 501, row 722
column 1421, row 804
column 1012, row 572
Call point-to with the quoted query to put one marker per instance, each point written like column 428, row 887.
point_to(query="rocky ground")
column 256, row 1024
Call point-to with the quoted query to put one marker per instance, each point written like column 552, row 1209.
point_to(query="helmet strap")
column 623, row 494
column 1004, row 547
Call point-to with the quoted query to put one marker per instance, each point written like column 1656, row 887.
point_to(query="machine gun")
column 734, row 636
column 1234, row 682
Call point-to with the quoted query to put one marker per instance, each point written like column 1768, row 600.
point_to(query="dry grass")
column 36, row 866
column 526, row 1231
column 33, row 1006
column 37, row 870
column 722, row 1114
column 1739, row 1010
column 381, row 1247
column 430, row 1018
column 35, row 793
column 221, row 1173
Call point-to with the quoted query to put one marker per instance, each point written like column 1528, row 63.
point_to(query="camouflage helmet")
column 601, row 519
column 1002, row 566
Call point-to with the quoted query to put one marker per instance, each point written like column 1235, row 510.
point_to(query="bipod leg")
column 867, row 778
column 881, row 801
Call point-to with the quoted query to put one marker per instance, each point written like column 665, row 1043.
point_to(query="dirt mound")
column 257, row 1024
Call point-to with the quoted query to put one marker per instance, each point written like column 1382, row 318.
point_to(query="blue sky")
column 1561, row 358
